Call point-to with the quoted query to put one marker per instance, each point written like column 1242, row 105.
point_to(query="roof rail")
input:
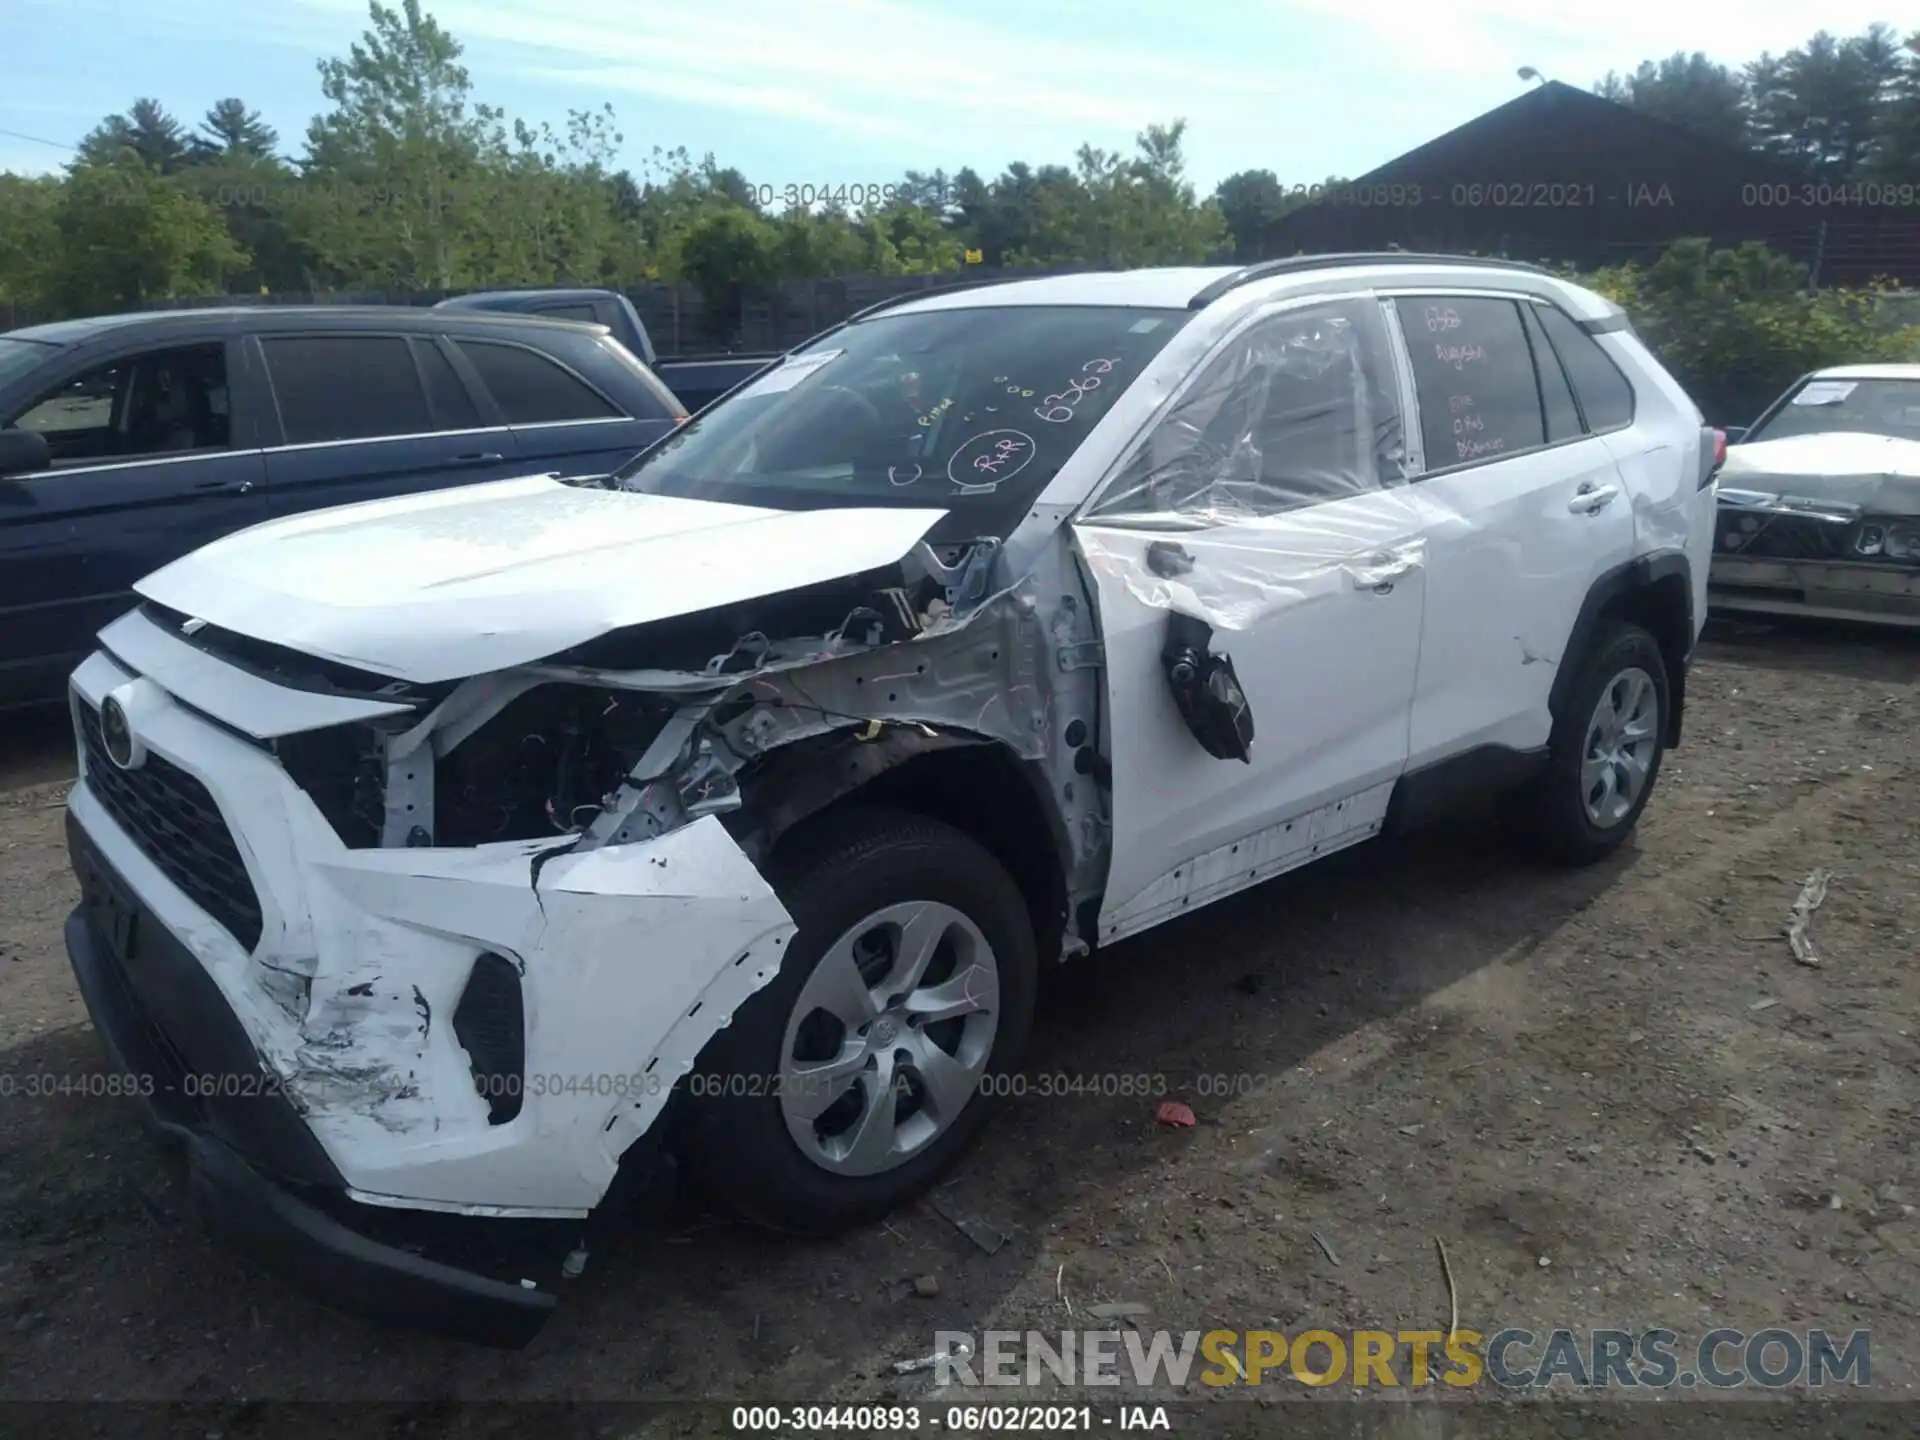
column 906, row 296
column 1262, row 269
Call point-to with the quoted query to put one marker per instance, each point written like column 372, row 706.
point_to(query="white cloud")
column 870, row 68
column 1574, row 40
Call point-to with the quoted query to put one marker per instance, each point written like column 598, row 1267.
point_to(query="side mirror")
column 23, row 451
column 1734, row 433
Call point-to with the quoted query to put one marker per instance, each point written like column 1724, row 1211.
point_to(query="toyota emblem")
column 116, row 734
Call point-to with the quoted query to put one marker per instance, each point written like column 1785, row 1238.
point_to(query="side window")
column 1606, row 399
column 1556, row 396
column 159, row 403
column 529, row 388
column 568, row 312
column 453, row 407
column 1298, row 409
column 346, row 387
column 1474, row 378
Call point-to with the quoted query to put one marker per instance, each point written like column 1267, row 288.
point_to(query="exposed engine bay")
column 641, row 731
column 546, row 765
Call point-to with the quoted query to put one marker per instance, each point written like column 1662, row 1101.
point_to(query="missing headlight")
column 545, row 765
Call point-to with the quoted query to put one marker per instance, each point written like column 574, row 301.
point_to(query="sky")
column 855, row 92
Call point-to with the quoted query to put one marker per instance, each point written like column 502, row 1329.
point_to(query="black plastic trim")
column 1434, row 790
column 1636, row 574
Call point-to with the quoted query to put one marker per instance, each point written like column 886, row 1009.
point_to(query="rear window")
column 346, row 387
column 22, row 357
column 530, row 389
column 1606, row 399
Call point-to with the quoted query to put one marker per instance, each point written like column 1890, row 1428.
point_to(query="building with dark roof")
column 1561, row 174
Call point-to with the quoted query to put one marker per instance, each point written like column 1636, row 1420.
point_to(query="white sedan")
column 1820, row 501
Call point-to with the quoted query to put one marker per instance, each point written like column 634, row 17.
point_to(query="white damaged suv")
column 447, row 859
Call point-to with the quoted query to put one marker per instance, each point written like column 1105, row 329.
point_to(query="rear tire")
column 1603, row 756
column 848, row 1028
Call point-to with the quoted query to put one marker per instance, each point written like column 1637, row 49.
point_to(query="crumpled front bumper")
column 160, row 1014
column 1826, row 589
column 340, row 1016
column 1783, row 554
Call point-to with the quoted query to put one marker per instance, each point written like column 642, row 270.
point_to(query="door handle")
column 1591, row 499
column 1379, row 574
column 224, row 487
column 489, row 458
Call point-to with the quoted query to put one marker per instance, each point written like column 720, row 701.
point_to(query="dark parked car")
column 127, row 441
column 697, row 380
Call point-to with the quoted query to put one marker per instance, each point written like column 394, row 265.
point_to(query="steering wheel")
column 872, row 410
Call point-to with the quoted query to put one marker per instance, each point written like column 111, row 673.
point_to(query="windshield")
column 970, row 410
column 19, row 357
column 1820, row 407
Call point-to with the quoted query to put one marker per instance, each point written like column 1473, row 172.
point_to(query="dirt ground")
column 1612, row 1093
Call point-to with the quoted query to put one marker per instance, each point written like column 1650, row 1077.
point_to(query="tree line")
column 406, row 183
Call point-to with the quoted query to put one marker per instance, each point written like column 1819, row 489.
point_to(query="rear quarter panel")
column 1660, row 459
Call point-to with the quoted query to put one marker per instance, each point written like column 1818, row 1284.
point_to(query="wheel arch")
column 977, row 784
column 1654, row 592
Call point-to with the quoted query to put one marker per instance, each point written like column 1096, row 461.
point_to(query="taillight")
column 1719, row 448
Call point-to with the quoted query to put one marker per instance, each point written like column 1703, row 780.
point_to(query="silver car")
column 1820, row 501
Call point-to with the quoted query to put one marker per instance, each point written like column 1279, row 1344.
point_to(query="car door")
column 561, row 420
column 150, row 461
column 1269, row 502
column 365, row 415
column 1529, row 509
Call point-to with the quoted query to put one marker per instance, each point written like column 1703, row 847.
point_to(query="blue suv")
column 127, row 441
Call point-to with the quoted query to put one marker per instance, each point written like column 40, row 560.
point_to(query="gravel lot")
column 1612, row 1093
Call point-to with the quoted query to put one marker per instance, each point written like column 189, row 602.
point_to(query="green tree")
column 1691, row 90
column 127, row 234
column 29, row 239
column 729, row 254
column 146, row 133
column 554, row 219
column 1736, row 325
column 1896, row 141
column 1820, row 104
column 1252, row 200
column 910, row 239
column 395, row 189
column 230, row 131
column 1125, row 211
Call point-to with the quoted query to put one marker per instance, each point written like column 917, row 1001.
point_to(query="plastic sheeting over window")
column 1300, row 408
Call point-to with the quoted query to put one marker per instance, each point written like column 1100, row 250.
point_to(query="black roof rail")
column 1261, row 269
column 909, row 295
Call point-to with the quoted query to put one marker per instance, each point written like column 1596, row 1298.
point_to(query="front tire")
column 849, row 1084
column 1604, row 754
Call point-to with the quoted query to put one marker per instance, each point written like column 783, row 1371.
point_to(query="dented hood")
column 1879, row 473
column 459, row 582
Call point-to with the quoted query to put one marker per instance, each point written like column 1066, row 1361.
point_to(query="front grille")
column 491, row 1024
column 172, row 818
column 1769, row 535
